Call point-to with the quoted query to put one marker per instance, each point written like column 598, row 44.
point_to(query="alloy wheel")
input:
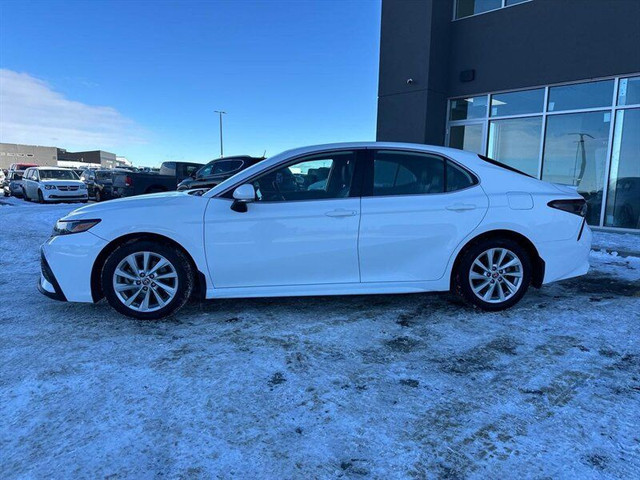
column 496, row 275
column 145, row 281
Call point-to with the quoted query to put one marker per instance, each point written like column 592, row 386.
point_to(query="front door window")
column 318, row 177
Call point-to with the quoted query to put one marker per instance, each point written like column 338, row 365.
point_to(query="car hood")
column 142, row 201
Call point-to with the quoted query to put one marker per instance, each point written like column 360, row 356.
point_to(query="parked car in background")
column 99, row 183
column 128, row 184
column 12, row 184
column 217, row 171
column 51, row 184
column 626, row 205
column 20, row 167
column 389, row 218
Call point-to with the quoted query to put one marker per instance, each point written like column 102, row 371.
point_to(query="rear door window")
column 407, row 173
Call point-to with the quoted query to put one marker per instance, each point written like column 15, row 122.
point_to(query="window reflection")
column 516, row 142
column 629, row 91
column 466, row 137
column 515, row 103
column 575, row 153
column 466, row 8
column 468, row 108
column 581, row 95
column 623, row 198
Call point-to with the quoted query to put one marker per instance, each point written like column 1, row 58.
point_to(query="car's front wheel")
column 147, row 280
column 493, row 274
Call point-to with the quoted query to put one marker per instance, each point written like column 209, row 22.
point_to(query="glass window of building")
column 516, row 142
column 575, row 153
column 581, row 95
column 517, row 103
column 623, row 197
column 629, row 91
column 466, row 8
column 466, row 137
column 468, row 108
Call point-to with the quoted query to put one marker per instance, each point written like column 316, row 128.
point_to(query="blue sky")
column 143, row 78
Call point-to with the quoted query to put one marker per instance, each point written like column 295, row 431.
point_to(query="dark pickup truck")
column 128, row 184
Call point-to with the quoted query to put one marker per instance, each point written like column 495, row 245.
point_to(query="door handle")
column 341, row 213
column 460, row 207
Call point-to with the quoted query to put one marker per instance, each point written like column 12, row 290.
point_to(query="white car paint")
column 53, row 190
column 353, row 245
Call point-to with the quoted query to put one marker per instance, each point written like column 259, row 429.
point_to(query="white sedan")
column 356, row 218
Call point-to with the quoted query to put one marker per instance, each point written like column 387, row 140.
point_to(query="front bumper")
column 67, row 263
column 48, row 285
column 61, row 195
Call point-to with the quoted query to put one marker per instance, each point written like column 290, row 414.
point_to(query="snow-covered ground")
column 404, row 386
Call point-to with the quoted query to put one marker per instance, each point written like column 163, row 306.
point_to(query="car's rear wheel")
column 147, row 280
column 493, row 274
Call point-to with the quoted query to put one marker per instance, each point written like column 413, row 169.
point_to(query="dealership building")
column 53, row 156
column 549, row 87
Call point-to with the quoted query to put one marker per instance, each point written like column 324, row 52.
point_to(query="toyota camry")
column 355, row 218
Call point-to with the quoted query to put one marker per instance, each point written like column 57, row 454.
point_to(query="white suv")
column 49, row 184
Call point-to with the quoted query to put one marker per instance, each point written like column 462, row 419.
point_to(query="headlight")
column 49, row 187
column 66, row 227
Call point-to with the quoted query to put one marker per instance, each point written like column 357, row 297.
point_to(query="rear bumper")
column 566, row 258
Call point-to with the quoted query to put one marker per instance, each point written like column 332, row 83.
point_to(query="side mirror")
column 241, row 196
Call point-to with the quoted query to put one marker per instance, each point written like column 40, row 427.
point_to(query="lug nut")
column 138, row 282
column 153, row 284
column 152, row 275
column 142, row 274
column 144, row 289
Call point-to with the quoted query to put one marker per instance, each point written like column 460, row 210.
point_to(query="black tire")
column 461, row 276
column 40, row 197
column 183, row 267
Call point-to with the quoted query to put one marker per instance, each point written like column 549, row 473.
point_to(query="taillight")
column 577, row 207
column 128, row 181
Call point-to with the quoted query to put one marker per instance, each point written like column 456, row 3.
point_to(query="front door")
column 302, row 228
column 416, row 209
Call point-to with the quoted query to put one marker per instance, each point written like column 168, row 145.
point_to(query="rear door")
column 416, row 209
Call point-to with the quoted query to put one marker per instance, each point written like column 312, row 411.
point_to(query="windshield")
column 58, row 175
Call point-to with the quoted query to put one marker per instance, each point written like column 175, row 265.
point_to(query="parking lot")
column 403, row 386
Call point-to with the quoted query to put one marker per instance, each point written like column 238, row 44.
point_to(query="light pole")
column 220, row 112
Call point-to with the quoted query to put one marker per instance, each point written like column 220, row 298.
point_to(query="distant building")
column 15, row 153
column 53, row 156
column 93, row 157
